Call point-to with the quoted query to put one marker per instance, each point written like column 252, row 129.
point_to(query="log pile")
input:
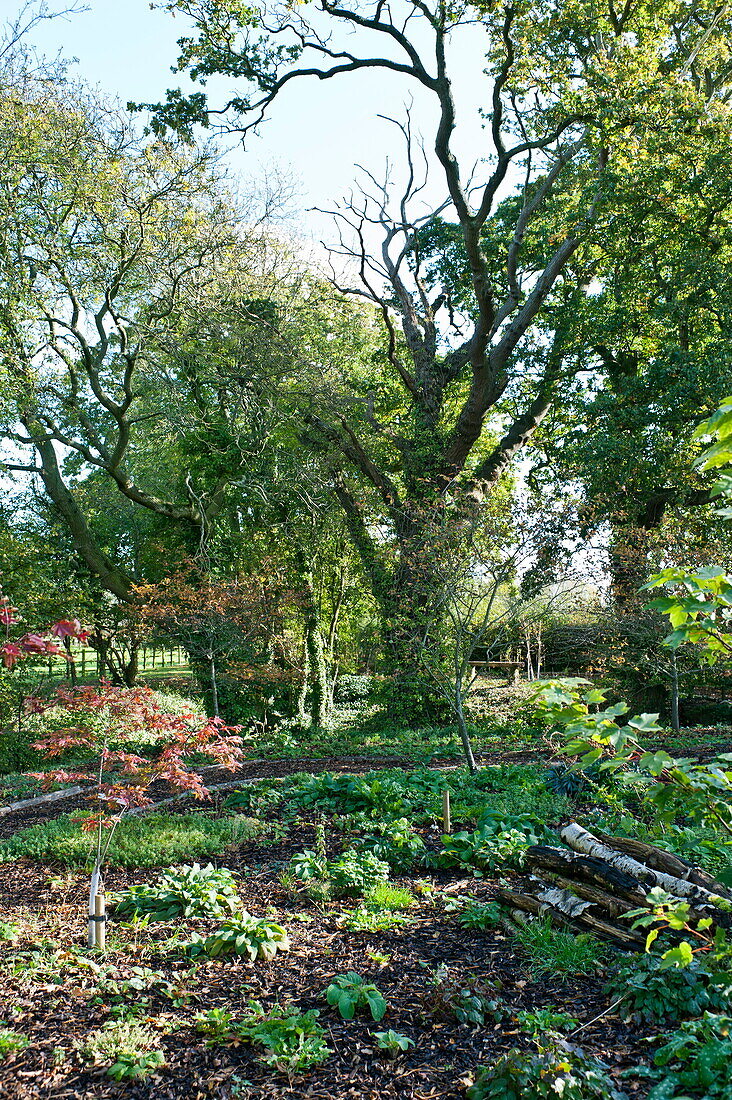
column 589, row 885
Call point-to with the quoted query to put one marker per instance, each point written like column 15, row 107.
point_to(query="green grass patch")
column 157, row 840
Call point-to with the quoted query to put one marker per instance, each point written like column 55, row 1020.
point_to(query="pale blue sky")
column 317, row 130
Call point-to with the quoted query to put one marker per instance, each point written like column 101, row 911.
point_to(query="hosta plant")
column 191, row 891
column 243, row 935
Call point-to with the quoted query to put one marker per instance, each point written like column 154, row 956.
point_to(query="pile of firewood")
column 591, row 883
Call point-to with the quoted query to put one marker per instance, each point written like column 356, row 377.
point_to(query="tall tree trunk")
column 303, row 692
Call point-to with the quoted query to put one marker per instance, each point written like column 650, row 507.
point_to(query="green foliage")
column 553, row 1070
column 466, row 999
column 348, row 794
column 11, row 1041
column 155, row 840
column 553, row 953
column 129, row 1066
column 382, row 895
column 363, row 919
column 542, row 1020
column 216, row 1024
column 499, row 841
column 478, row 916
column 350, row 993
column 126, row 996
column 128, row 1048
column 352, row 874
column 291, row 1041
column 9, row 932
column 191, row 891
column 392, row 1041
column 701, row 791
column 380, row 911
column 655, row 994
column 695, row 1061
column 395, row 842
column 243, row 935
column 258, row 799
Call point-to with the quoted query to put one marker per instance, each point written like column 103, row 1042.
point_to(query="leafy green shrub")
column 216, row 1024
column 155, row 840
column 356, row 872
column 543, row 1020
column 351, row 690
column 258, row 799
column 554, row 953
column 350, row 992
column 553, row 1070
column 350, row 875
column 348, row 794
column 243, row 935
column 292, row 1041
column 572, row 782
column 695, row 1061
column 657, row 994
column 191, row 891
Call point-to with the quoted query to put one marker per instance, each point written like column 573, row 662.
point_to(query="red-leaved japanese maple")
column 108, row 717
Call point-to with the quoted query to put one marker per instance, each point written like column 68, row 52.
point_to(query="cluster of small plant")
column 393, row 1042
column 555, row 953
column 381, row 910
column 499, row 841
column 468, row 1000
column 554, row 1069
column 289, row 1040
column 126, row 1048
column 190, row 891
column 350, row 875
column 694, row 1062
column 244, row 935
column 128, row 996
column 654, row 993
column 395, row 842
column 11, row 1041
